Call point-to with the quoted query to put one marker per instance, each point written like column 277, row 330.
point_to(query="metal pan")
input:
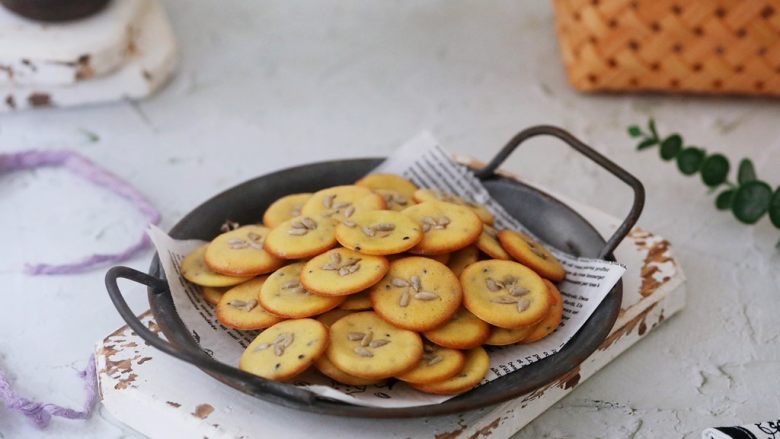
column 545, row 216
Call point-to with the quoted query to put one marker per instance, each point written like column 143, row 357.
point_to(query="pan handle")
column 489, row 171
column 198, row 358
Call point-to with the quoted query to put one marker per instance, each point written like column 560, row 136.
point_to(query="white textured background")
column 266, row 85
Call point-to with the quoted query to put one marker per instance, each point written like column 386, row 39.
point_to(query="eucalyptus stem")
column 749, row 199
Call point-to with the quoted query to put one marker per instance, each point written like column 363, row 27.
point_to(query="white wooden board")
column 70, row 69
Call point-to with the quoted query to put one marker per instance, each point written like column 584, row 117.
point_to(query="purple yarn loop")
column 83, row 167
column 41, row 413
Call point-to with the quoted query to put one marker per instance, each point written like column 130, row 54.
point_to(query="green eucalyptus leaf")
column 715, row 170
column 751, row 201
column 647, row 143
column 690, row 159
column 651, row 127
column 724, row 199
column 746, row 171
column 774, row 208
column 671, row 146
column 634, row 131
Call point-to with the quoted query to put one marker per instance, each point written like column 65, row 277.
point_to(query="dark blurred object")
column 54, row 10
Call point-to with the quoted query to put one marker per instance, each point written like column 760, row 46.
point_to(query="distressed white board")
column 141, row 57
column 36, row 52
column 165, row 398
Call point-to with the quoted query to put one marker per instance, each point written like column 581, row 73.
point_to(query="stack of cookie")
column 378, row 280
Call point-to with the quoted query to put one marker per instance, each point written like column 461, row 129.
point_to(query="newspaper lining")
column 427, row 164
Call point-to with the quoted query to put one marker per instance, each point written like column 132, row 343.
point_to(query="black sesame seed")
column 300, row 357
column 406, row 238
column 278, row 365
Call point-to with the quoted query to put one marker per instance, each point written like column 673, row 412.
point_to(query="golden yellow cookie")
column 532, row 254
column 195, row 270
column 328, row 369
column 423, row 195
column 341, row 202
column 504, row 293
column 503, row 337
column 357, row 302
column 379, row 232
column 463, row 331
column 239, row 308
column 284, row 208
column 417, row 293
column 285, row 349
column 284, row 295
column 364, row 345
column 436, row 364
column 212, row 294
column 447, row 227
column 389, row 182
column 395, row 200
column 474, row 370
column 488, row 244
column 553, row 318
column 341, row 271
column 240, row 253
column 331, row 316
column 462, row 259
column 301, row 237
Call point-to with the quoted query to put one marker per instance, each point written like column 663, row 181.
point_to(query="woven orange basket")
column 699, row 46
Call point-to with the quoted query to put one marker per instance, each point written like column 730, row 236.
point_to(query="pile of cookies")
column 378, row 280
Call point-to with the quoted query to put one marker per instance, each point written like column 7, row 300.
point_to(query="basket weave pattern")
column 702, row 46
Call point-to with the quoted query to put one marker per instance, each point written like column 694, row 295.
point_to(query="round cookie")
column 285, row 349
column 423, row 195
column 331, row 316
column 504, row 293
column 474, row 370
column 341, row 202
column 328, row 369
column 240, row 253
column 503, row 337
column 212, row 294
column 357, row 302
column 195, row 270
column 436, row 364
column 463, row 331
column 462, row 259
column 239, row 308
column 341, row 271
column 284, row 208
column 417, row 294
column 532, row 254
column 301, row 237
column 553, row 318
column 364, row 345
column 395, row 200
column 447, row 227
column 284, row 295
column 388, row 182
column 488, row 244
column 379, row 232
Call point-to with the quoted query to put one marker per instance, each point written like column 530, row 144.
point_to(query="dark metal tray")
column 548, row 218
